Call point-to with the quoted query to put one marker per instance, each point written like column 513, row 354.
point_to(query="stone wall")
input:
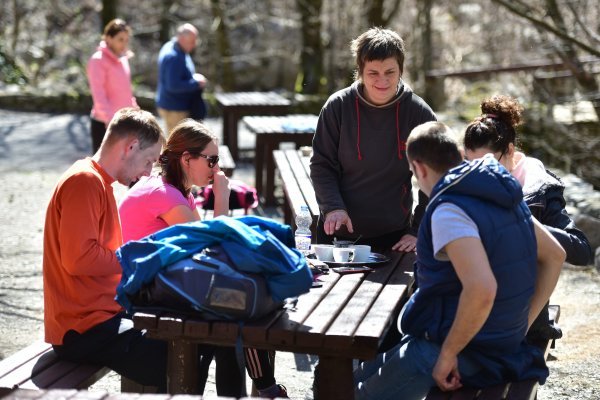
column 583, row 204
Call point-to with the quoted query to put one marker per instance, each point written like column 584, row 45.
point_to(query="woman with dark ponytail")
column 495, row 132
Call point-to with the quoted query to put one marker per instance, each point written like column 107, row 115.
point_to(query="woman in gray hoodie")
column 358, row 168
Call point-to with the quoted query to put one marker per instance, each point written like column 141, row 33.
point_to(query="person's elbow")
column 487, row 294
column 557, row 254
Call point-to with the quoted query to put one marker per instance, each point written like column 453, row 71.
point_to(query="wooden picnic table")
column 294, row 170
column 235, row 105
column 270, row 133
column 345, row 319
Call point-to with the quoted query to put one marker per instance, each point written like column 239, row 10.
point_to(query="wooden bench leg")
column 334, row 379
column 182, row 367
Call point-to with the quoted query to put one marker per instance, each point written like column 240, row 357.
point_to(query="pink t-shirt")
column 143, row 204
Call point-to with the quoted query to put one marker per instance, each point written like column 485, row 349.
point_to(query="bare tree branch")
column 590, row 34
column 547, row 27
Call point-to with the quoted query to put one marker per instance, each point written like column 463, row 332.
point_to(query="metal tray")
column 374, row 258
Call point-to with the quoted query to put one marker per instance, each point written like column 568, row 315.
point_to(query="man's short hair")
column 132, row 122
column 187, row 29
column 433, row 144
column 377, row 44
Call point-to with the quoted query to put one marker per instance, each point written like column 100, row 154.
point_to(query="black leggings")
column 127, row 351
column 259, row 364
column 97, row 131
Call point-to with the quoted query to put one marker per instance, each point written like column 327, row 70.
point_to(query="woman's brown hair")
column 188, row 136
column 495, row 129
column 114, row 27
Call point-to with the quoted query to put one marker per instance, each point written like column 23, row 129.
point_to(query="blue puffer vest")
column 493, row 199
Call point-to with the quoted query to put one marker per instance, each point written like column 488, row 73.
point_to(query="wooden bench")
column 235, row 105
column 20, row 394
column 523, row 390
column 38, row 367
column 294, row 170
column 270, row 132
column 226, row 162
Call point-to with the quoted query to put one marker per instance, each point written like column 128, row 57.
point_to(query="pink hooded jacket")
column 110, row 83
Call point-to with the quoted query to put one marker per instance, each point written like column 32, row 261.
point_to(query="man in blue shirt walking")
column 179, row 92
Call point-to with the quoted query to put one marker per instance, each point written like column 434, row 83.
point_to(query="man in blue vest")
column 482, row 279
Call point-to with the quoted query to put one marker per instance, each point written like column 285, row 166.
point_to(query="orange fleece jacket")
column 81, row 234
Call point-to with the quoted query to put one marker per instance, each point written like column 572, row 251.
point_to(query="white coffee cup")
column 343, row 254
column 361, row 252
column 324, row 252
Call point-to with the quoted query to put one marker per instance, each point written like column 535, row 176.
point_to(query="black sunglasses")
column 212, row 160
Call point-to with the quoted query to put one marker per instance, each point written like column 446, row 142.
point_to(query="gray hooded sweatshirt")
column 359, row 159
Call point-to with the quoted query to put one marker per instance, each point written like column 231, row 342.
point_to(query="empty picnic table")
column 298, row 191
column 270, row 133
column 238, row 104
column 347, row 318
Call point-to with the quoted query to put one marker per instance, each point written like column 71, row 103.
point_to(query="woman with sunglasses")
column 190, row 157
column 495, row 132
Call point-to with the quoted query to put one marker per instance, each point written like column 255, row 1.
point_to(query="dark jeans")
column 127, row 351
column 97, row 131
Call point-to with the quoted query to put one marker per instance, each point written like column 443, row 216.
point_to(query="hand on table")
column 334, row 221
column 406, row 243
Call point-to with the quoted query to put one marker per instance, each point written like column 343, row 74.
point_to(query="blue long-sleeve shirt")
column 176, row 84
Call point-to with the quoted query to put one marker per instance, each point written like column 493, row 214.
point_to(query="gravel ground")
column 36, row 148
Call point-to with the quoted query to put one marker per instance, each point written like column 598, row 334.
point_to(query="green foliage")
column 10, row 71
column 467, row 105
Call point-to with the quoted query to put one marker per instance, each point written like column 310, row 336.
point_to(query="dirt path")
column 36, row 148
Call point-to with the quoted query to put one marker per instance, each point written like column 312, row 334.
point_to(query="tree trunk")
column 227, row 79
column 433, row 88
column 109, row 11
column 375, row 12
column 586, row 81
column 164, row 34
column 311, row 58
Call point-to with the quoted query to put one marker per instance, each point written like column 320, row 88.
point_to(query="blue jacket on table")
column 254, row 244
column 545, row 199
column 493, row 199
column 177, row 89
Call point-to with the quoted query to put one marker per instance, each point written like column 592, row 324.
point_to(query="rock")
column 597, row 259
column 591, row 227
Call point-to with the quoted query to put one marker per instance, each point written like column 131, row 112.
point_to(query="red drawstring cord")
column 401, row 144
column 358, row 129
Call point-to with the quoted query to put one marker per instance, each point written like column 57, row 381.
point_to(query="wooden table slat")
column 145, row 321
column 371, row 329
column 310, row 334
column 170, row 324
column 197, row 328
column 237, row 104
column 303, row 180
column 292, row 191
column 341, row 333
column 284, row 329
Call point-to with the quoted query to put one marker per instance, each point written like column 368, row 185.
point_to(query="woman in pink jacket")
column 110, row 78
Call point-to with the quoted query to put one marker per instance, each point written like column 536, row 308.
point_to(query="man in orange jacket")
column 82, row 320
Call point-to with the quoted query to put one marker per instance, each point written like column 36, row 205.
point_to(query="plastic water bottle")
column 302, row 234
